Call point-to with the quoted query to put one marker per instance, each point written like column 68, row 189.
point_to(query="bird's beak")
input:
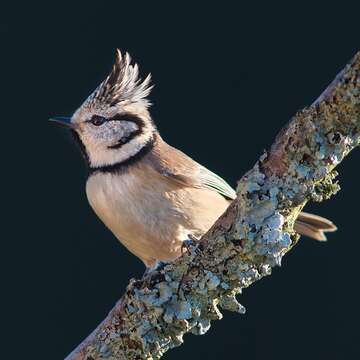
column 63, row 121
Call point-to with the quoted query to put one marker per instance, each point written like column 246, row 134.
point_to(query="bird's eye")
column 97, row 120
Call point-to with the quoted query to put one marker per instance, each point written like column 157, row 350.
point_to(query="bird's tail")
column 313, row 226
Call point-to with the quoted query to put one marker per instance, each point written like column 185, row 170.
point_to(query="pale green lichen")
column 229, row 302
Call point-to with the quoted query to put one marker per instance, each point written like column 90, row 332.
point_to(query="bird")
column 151, row 196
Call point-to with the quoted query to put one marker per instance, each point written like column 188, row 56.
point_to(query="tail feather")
column 313, row 226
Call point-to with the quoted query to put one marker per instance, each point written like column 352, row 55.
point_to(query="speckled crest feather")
column 122, row 84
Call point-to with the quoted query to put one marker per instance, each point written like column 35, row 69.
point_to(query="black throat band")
column 123, row 165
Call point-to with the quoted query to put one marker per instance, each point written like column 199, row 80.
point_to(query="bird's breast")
column 144, row 213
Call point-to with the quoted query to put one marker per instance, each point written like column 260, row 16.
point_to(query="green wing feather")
column 214, row 182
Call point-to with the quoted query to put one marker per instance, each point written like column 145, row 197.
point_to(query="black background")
column 227, row 77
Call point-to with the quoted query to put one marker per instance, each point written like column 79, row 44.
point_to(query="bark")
column 246, row 242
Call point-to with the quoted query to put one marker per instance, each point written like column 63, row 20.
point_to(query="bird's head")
column 113, row 124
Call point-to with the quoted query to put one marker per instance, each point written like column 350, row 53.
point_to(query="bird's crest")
column 122, row 84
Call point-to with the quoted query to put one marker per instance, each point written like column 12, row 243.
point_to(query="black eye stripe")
column 118, row 117
column 128, row 117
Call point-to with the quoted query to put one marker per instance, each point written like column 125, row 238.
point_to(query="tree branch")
column 246, row 242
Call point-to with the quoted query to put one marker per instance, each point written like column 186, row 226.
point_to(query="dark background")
column 227, row 77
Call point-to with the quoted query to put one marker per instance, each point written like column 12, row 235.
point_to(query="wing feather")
column 212, row 181
column 174, row 164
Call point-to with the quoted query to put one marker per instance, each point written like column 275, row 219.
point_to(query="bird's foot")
column 189, row 245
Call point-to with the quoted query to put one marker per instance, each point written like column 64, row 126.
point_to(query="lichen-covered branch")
column 245, row 243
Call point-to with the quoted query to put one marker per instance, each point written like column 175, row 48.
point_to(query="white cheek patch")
column 128, row 132
column 129, row 127
column 115, row 141
column 110, row 132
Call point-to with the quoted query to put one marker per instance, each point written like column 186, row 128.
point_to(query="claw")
column 189, row 244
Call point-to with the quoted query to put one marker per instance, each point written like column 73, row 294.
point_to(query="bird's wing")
column 176, row 165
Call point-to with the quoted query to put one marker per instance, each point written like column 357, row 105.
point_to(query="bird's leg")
column 189, row 244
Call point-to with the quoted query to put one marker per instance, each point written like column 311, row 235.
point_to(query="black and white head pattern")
column 113, row 125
